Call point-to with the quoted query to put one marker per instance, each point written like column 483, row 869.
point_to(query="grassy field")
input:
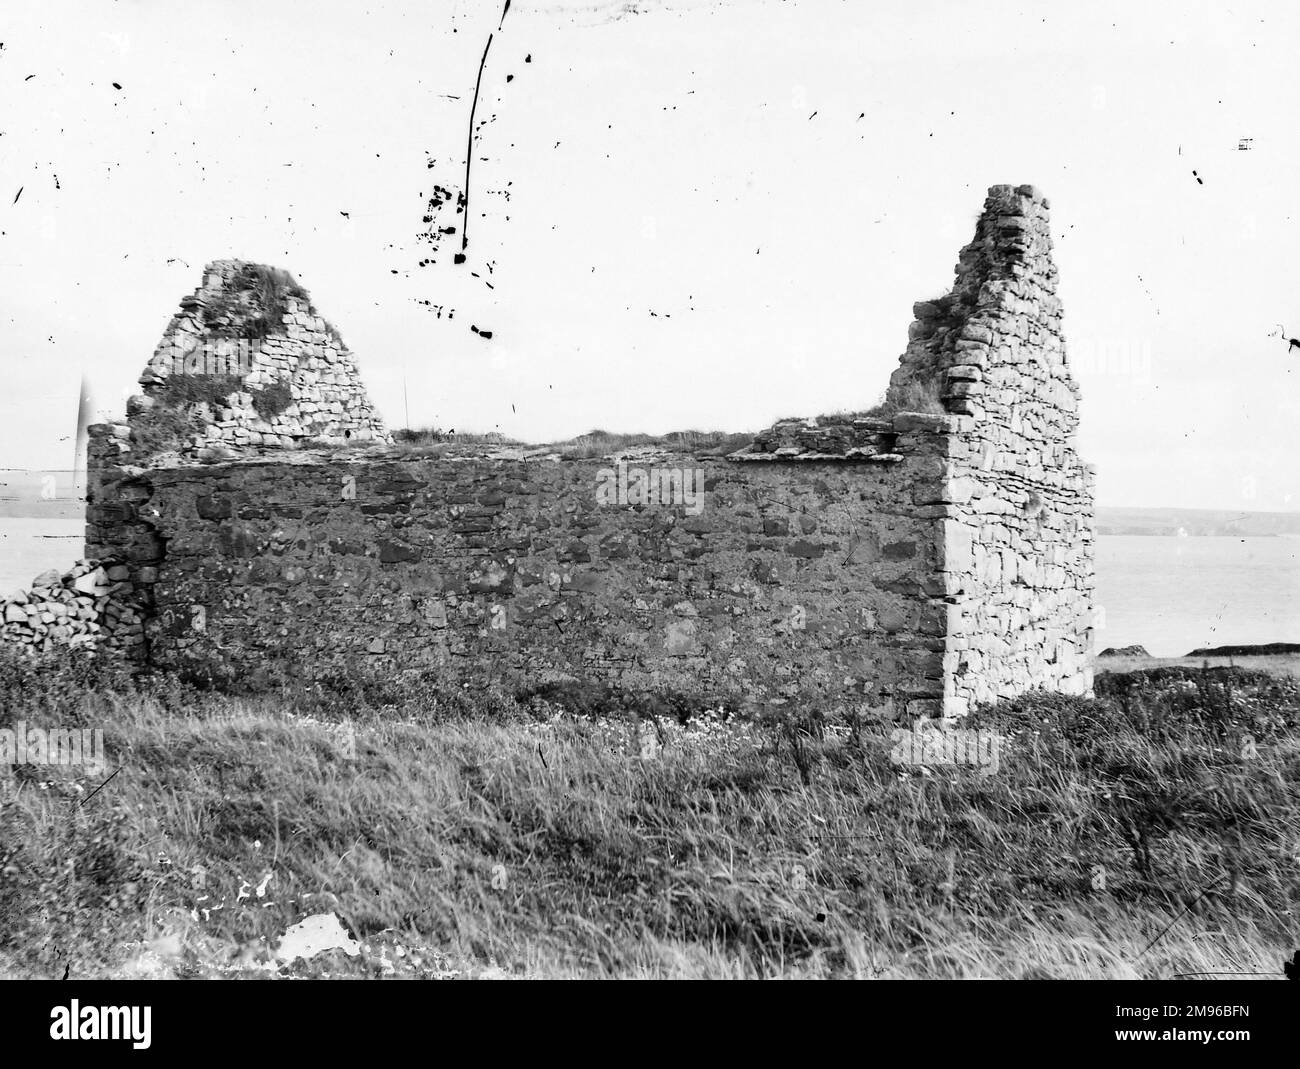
column 573, row 834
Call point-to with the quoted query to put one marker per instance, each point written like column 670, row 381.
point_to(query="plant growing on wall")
column 254, row 304
column 175, row 417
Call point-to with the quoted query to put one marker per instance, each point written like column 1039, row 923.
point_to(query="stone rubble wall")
column 816, row 582
column 825, row 436
column 88, row 605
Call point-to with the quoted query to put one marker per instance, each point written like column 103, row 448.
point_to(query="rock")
column 934, row 423
column 51, row 578
column 977, row 333
column 215, row 454
column 93, row 583
column 1131, row 651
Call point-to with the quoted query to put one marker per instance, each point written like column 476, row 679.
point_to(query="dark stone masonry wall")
column 814, row 580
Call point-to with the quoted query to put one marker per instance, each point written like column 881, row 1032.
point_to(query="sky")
column 682, row 215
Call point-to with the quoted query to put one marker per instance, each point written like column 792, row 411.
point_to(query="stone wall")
column 81, row 607
column 816, row 579
column 1019, row 537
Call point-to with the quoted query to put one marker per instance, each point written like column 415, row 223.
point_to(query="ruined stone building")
column 917, row 560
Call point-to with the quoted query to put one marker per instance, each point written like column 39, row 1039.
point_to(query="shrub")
column 421, row 436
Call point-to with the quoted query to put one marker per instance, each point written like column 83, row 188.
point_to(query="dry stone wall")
column 254, row 334
column 1019, row 537
column 84, row 606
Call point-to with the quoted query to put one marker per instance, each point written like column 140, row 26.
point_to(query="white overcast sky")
column 777, row 181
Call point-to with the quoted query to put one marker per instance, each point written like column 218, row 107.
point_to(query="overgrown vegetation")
column 270, row 401
column 170, row 422
column 599, row 443
column 253, row 306
column 593, row 444
column 549, row 833
column 433, row 436
column 914, row 395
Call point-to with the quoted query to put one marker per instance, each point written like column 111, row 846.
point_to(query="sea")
column 1166, row 593
column 1175, row 594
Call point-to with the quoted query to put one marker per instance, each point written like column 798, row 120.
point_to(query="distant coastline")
column 1198, row 523
column 1266, row 649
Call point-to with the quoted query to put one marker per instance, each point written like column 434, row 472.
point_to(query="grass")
column 570, row 831
column 424, row 436
column 170, row 423
column 912, row 396
column 599, row 443
column 593, row 444
column 254, row 305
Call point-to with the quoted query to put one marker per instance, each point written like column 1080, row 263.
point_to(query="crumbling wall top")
column 992, row 347
column 989, row 351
